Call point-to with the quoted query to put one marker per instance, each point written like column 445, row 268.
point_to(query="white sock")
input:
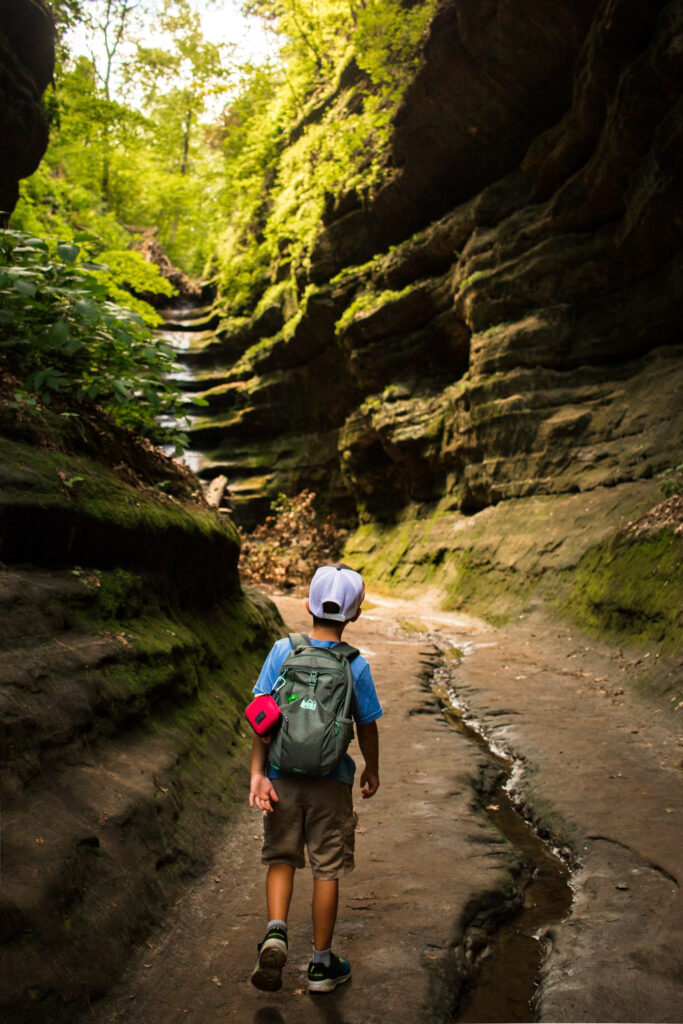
column 277, row 924
column 322, row 956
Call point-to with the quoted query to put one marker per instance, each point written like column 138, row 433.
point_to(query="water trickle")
column 504, row 987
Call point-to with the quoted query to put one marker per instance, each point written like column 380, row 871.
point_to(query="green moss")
column 550, row 550
column 632, row 588
column 119, row 594
column 472, row 278
column 494, row 328
column 370, row 301
column 486, row 590
column 276, row 295
column 407, row 556
column 41, row 476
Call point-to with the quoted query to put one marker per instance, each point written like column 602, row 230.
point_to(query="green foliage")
column 122, row 270
column 294, row 136
column 238, row 196
column 141, row 155
column 671, row 481
column 61, row 334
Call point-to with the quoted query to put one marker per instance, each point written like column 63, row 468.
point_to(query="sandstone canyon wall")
column 127, row 651
column 481, row 363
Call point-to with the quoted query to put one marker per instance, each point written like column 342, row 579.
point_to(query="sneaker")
column 272, row 957
column 326, row 979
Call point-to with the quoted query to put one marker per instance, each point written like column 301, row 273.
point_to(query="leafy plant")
column 294, row 136
column 671, row 481
column 61, row 335
column 287, row 548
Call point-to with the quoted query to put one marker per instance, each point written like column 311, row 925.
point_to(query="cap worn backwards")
column 336, row 585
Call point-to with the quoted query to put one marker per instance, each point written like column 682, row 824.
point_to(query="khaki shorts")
column 318, row 814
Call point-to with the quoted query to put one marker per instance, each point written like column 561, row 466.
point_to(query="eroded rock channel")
column 504, row 958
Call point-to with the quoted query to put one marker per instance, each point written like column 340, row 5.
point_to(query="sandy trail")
column 423, row 852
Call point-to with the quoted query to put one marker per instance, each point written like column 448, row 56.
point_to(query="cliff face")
column 127, row 653
column 501, row 322
column 26, row 65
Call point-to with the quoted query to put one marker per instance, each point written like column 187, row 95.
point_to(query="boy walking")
column 315, row 811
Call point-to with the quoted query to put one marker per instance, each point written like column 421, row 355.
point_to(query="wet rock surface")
column 433, row 877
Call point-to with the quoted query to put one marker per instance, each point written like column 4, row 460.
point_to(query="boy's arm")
column 368, row 741
column 262, row 791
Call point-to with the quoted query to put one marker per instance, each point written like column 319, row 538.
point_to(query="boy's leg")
column 272, row 952
column 279, row 888
column 325, row 970
column 283, row 852
column 325, row 902
column 330, row 825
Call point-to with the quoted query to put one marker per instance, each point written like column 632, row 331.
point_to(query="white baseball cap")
column 340, row 586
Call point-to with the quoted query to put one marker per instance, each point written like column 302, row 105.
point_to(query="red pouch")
column 263, row 714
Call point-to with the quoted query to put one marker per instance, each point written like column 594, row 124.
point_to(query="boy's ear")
column 308, row 607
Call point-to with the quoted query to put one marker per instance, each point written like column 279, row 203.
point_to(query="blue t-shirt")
column 365, row 705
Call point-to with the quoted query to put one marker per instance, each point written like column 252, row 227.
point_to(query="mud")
column 599, row 775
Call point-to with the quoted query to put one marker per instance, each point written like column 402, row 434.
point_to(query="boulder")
column 27, row 54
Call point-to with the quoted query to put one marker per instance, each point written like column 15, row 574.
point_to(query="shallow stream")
column 507, row 975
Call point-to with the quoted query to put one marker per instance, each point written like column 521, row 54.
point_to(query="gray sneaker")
column 272, row 957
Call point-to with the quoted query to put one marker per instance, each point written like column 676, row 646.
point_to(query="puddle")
column 506, row 981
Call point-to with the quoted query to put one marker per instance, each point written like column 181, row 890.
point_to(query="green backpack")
column 314, row 692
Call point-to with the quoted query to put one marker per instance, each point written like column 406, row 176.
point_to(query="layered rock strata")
column 501, row 322
column 126, row 657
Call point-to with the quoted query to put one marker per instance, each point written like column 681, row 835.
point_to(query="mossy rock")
column 632, row 588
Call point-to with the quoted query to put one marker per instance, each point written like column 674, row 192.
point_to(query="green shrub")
column 671, row 481
column 61, row 335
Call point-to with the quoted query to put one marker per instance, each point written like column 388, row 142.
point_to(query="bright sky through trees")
column 222, row 22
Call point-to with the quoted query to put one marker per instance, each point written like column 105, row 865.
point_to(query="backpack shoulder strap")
column 346, row 650
column 298, row 640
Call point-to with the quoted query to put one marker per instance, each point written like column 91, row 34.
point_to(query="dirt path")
column 424, row 854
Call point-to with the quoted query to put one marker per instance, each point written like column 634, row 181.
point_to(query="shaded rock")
column 27, row 40
column 126, row 658
column 532, row 330
column 461, row 127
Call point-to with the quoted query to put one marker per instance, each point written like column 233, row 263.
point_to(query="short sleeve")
column 272, row 665
column 366, row 707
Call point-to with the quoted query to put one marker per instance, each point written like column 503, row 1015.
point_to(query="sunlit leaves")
column 307, row 138
column 61, row 334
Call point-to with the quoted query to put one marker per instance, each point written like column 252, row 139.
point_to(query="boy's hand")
column 369, row 783
column 262, row 793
